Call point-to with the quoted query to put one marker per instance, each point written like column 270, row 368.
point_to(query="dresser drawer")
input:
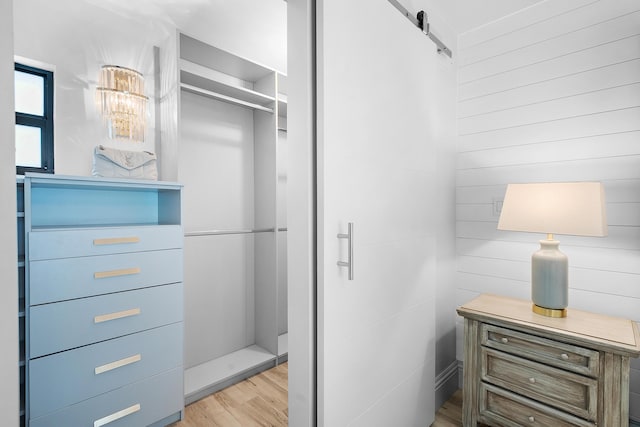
column 71, row 376
column 69, row 278
column 69, row 324
column 502, row 408
column 572, row 358
column 52, row 244
column 138, row 404
column 564, row 390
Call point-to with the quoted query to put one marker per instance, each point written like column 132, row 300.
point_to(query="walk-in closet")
column 232, row 161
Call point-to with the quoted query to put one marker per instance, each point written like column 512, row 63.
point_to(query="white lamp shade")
column 575, row 208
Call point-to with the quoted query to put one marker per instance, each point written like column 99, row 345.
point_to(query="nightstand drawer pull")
column 532, row 419
column 116, row 315
column 505, row 340
column 116, row 415
column 118, row 364
column 532, row 380
column 564, row 356
column 116, row 241
column 116, row 273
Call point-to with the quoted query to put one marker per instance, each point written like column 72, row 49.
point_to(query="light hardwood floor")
column 262, row 401
column 257, row 401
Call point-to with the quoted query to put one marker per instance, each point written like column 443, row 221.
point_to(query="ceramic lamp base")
column 549, row 280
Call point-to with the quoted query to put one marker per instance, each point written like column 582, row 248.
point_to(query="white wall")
column 552, row 94
column 88, row 34
column 81, row 39
column 253, row 29
column 9, row 382
column 300, row 213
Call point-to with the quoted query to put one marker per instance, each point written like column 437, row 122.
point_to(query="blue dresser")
column 104, row 302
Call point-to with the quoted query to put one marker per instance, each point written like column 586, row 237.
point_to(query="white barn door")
column 376, row 344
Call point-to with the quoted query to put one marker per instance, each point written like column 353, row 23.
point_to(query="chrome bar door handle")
column 349, row 262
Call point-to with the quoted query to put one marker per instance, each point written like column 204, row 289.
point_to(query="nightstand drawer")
column 564, row 390
column 138, row 404
column 55, row 244
column 69, row 377
column 69, row 278
column 565, row 356
column 69, row 324
column 502, row 408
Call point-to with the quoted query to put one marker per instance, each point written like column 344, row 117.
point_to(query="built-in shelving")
column 219, row 373
column 216, row 95
column 282, row 105
column 245, row 294
column 194, row 76
column 212, row 72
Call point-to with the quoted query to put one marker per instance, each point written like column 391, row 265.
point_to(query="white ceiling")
column 464, row 15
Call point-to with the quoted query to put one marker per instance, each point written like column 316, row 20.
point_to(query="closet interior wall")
column 231, row 159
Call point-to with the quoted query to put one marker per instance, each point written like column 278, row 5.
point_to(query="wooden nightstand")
column 523, row 369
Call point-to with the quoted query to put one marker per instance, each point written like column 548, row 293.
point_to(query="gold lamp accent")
column 121, row 100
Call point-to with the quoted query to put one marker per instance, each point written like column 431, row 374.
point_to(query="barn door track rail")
column 421, row 21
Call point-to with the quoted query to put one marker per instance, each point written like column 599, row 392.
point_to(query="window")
column 34, row 119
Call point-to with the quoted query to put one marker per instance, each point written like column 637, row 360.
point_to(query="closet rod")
column 225, row 232
column 421, row 21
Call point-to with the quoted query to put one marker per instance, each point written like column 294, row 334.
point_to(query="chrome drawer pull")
column 564, row 356
column 118, row 364
column 531, row 419
column 505, row 340
column 532, row 380
column 116, row 315
column 116, row 241
column 116, row 273
column 116, row 416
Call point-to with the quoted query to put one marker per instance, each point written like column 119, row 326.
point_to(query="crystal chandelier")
column 121, row 100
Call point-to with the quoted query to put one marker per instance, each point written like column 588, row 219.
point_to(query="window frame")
column 44, row 122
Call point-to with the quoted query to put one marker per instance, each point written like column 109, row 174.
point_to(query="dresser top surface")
column 611, row 332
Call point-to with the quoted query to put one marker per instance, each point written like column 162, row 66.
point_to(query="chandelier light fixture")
column 121, row 100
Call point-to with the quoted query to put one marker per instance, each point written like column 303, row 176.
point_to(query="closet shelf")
column 224, row 232
column 222, row 86
column 211, row 376
column 225, row 98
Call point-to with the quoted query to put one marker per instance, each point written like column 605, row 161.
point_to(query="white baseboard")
column 446, row 383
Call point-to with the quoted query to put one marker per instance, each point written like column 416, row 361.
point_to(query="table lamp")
column 574, row 208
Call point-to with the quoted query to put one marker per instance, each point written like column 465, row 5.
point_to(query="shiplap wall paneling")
column 552, row 93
